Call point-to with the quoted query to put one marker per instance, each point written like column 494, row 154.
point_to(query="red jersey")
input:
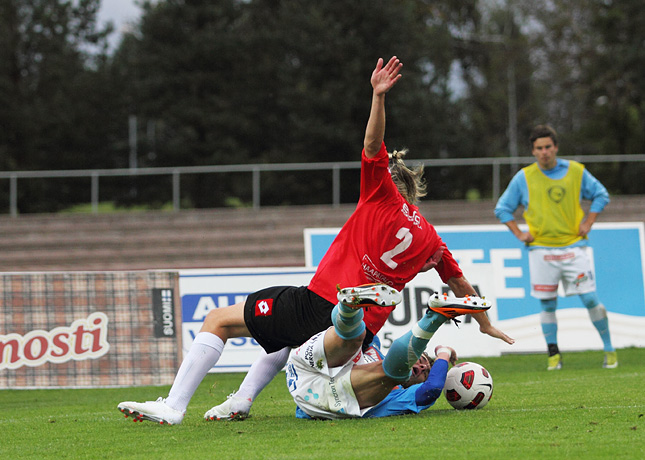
column 386, row 240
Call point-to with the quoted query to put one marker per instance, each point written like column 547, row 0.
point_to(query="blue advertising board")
column 617, row 249
column 490, row 256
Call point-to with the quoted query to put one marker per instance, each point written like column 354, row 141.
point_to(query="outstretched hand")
column 385, row 77
column 494, row 332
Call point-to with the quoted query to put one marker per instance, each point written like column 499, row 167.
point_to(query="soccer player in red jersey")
column 385, row 241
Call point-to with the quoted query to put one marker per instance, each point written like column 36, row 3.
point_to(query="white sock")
column 262, row 371
column 202, row 356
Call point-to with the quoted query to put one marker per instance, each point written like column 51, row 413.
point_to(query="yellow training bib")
column 554, row 213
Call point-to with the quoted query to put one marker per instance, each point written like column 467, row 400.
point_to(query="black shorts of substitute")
column 286, row 316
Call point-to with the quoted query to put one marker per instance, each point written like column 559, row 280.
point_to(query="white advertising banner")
column 464, row 337
column 203, row 290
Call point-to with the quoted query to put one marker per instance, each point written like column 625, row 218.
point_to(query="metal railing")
column 256, row 169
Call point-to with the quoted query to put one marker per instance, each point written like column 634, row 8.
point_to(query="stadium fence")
column 255, row 171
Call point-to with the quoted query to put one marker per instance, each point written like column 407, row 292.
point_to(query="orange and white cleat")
column 369, row 295
column 451, row 307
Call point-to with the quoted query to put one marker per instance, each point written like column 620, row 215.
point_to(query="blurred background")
column 190, row 83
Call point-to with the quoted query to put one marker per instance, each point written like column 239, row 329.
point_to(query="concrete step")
column 214, row 238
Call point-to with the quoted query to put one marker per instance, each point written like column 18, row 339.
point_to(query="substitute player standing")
column 550, row 190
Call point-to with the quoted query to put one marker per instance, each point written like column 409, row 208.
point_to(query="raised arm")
column 383, row 79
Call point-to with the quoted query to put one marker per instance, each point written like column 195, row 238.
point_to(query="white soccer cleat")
column 154, row 411
column 452, row 307
column 233, row 408
column 368, row 295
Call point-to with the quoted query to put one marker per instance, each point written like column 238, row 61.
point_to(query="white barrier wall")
column 203, row 290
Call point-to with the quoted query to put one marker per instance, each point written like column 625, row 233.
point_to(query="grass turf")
column 582, row 411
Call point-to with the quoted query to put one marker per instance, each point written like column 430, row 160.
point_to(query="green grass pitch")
column 580, row 412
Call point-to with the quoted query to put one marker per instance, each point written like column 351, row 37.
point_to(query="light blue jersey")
column 517, row 193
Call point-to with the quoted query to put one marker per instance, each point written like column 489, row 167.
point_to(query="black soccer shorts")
column 286, row 316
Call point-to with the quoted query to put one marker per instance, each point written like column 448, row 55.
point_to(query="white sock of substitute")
column 262, row 371
column 202, row 356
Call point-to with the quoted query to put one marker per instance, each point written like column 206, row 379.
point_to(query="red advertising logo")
column 84, row 339
column 264, row 307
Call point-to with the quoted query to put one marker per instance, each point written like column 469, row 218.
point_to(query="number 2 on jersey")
column 406, row 240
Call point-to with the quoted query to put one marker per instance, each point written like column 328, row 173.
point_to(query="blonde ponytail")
column 410, row 182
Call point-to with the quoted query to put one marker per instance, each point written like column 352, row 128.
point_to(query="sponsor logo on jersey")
column 415, row 217
column 556, row 193
column 309, row 354
column 371, row 355
column 373, row 274
column 264, row 307
column 292, row 377
column 334, row 392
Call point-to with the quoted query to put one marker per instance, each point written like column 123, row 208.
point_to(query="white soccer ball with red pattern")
column 468, row 386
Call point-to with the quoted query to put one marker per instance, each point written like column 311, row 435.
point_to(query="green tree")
column 50, row 100
column 491, row 54
column 589, row 57
column 617, row 90
column 285, row 81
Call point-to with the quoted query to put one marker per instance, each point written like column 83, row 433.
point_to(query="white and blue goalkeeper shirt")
column 411, row 400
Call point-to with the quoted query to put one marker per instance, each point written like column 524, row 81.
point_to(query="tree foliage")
column 284, row 81
column 271, row 81
column 589, row 56
column 47, row 87
column 51, row 95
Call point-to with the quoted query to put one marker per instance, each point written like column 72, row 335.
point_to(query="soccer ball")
column 468, row 386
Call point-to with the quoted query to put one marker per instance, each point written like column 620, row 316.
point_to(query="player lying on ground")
column 330, row 377
column 385, row 240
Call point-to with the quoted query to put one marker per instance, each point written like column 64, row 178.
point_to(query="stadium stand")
column 214, row 238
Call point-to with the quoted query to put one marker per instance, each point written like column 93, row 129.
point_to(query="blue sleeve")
column 398, row 402
column 592, row 189
column 517, row 193
column 415, row 398
column 430, row 390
